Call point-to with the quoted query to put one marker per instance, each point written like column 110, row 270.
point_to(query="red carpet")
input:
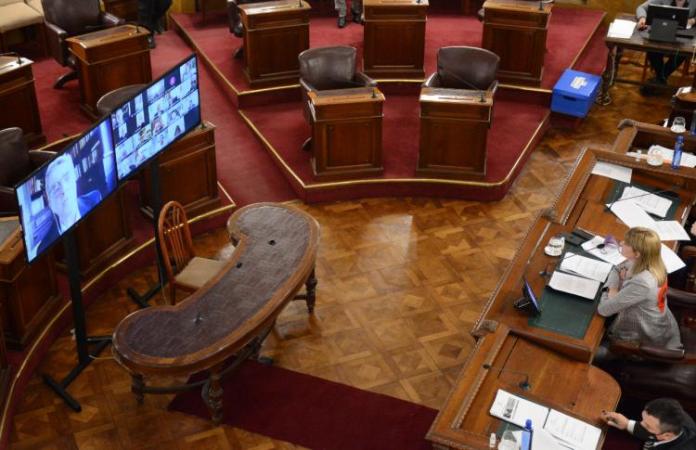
column 569, row 30
column 314, row 413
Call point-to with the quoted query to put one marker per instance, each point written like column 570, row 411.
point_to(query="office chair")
column 16, row 162
column 327, row 68
column 235, row 21
column 465, row 68
column 67, row 18
column 109, row 101
column 184, row 269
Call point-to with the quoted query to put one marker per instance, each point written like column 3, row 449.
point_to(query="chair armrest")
column 8, row 202
column 360, row 77
column 40, row 157
column 662, row 354
column 432, row 81
column 684, row 299
column 493, row 88
column 56, row 42
column 687, row 251
column 110, row 20
column 308, row 87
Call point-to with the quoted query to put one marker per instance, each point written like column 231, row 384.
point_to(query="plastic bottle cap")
column 492, row 441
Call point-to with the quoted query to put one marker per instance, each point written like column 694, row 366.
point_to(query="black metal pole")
column 82, row 341
column 142, row 300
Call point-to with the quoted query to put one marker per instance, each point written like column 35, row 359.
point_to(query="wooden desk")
column 637, row 42
column 18, row 97
column 188, row 174
column 275, row 33
column 453, row 133
column 346, row 133
column 29, row 296
column 580, row 204
column 109, row 59
column 516, row 31
column 634, row 135
column 394, row 38
column 275, row 256
column 571, row 387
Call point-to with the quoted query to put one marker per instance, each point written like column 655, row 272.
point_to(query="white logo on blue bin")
column 578, row 82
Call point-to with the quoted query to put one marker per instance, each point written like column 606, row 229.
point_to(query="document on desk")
column 569, row 430
column 671, row 260
column 671, row 230
column 621, row 29
column 517, row 410
column 609, row 254
column 632, row 215
column 586, row 267
column 573, row 284
column 613, row 171
column 651, row 203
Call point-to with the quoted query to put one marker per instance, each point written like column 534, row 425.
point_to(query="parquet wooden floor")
column 400, row 283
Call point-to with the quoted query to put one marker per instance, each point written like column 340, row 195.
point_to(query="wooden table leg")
column 212, row 395
column 137, row 386
column 607, row 77
column 311, row 286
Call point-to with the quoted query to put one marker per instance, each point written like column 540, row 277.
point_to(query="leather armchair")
column 16, row 162
column 67, row 18
column 327, row 68
column 109, row 101
column 648, row 372
column 465, row 68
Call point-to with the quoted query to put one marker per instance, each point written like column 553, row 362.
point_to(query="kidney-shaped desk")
column 275, row 256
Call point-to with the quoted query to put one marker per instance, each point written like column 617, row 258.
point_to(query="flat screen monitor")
column 56, row 196
column 156, row 117
column 679, row 15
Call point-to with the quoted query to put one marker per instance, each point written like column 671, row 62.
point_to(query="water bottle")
column 692, row 128
column 492, row 441
column 676, row 159
column 508, row 442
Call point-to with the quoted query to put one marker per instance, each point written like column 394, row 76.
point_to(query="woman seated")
column 637, row 291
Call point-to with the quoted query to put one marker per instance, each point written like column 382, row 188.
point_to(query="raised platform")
column 521, row 113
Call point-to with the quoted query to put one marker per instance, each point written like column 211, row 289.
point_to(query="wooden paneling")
column 18, row 93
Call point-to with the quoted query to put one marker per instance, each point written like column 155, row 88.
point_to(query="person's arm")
column 639, row 432
column 633, row 292
column 642, row 13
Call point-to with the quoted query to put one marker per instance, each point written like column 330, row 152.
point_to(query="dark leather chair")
column 16, row 162
column 647, row 372
column 327, row 68
column 67, row 18
column 465, row 68
column 109, row 101
column 235, row 20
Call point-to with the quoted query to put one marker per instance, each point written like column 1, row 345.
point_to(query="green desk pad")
column 618, row 188
column 565, row 313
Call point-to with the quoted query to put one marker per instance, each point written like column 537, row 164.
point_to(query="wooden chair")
column 184, row 269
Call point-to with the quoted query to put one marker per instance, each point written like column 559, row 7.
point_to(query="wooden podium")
column 394, row 39
column 516, row 31
column 188, row 174
column 18, row 93
column 275, row 33
column 109, row 59
column 29, row 296
column 346, row 133
column 453, row 133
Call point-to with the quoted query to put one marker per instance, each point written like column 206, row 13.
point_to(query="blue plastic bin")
column 574, row 93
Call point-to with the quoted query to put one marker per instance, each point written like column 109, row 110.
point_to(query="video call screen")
column 56, row 196
column 156, row 117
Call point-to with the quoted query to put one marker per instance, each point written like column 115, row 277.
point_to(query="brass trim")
column 224, row 192
column 518, row 87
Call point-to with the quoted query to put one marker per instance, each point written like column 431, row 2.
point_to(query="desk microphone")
column 481, row 92
column 661, row 191
column 19, row 57
column 524, row 384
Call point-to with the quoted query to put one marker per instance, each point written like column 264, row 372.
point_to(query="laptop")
column 663, row 30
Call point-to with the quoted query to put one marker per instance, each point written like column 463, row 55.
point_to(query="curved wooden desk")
column 275, row 256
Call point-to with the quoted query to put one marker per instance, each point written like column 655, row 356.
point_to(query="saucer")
column 553, row 251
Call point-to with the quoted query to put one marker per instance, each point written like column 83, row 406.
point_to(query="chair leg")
column 239, row 53
column 60, row 82
column 307, row 144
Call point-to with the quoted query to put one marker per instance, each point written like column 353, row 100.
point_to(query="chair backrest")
column 328, row 67
column 73, row 16
column 14, row 157
column 175, row 238
column 477, row 66
column 115, row 98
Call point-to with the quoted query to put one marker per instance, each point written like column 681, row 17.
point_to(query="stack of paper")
column 671, row 230
column 672, row 261
column 621, row 29
column 632, row 215
column 609, row 254
column 651, row 203
column 569, row 430
column 575, row 285
column 613, row 171
column 585, row 267
column 517, row 410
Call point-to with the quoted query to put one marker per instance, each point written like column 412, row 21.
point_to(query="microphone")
column 481, row 92
column 661, row 191
column 608, row 240
column 19, row 57
column 524, row 384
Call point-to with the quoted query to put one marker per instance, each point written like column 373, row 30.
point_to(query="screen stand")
column 142, row 300
column 524, row 304
column 82, row 341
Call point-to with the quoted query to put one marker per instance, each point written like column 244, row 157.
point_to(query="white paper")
column 543, row 440
column 621, row 29
column 575, row 285
column 580, row 435
column 586, row 267
column 632, row 215
column 651, row 203
column 517, row 410
column 671, row 260
column 671, row 230
column 607, row 253
column 613, row 171
column 687, row 159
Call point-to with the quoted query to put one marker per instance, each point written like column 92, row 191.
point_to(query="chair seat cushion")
column 36, row 4
column 198, row 271
column 18, row 15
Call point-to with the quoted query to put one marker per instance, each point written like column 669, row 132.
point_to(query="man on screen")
column 60, row 190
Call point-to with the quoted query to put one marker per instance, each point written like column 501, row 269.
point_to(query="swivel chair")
column 16, row 162
column 109, row 101
column 327, row 68
column 67, row 18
